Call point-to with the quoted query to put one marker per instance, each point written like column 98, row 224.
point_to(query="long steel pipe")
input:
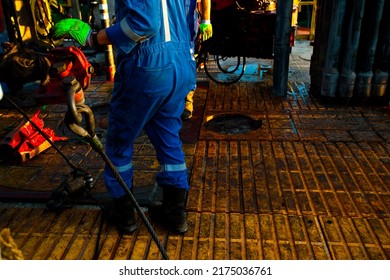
column 282, row 47
column 353, row 22
column 330, row 75
column 319, row 46
column 380, row 79
column 109, row 52
column 367, row 48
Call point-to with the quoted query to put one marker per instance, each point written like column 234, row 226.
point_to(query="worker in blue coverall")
column 155, row 71
column 205, row 30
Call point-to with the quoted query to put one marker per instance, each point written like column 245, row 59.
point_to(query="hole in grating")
column 232, row 124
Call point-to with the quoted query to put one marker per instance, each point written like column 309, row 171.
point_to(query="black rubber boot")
column 171, row 212
column 122, row 214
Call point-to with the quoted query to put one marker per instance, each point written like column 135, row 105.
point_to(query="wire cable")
column 47, row 138
column 96, row 145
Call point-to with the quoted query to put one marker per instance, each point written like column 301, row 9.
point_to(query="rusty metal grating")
column 336, row 179
column 218, row 236
column 249, row 200
column 312, row 183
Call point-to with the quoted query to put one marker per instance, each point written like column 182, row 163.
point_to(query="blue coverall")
column 155, row 71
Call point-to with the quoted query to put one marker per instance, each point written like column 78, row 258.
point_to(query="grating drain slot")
column 232, row 124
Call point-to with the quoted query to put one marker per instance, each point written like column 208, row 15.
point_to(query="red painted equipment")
column 70, row 74
column 25, row 141
column 65, row 62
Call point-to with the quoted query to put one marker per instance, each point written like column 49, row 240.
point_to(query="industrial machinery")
column 70, row 74
column 241, row 29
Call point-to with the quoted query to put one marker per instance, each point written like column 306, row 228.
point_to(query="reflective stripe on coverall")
column 151, row 82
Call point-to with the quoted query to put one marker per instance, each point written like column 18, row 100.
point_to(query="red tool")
column 65, row 62
column 25, row 141
column 70, row 74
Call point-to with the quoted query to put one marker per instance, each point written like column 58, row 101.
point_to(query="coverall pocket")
column 152, row 81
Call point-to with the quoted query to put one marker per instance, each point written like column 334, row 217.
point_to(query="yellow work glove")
column 206, row 29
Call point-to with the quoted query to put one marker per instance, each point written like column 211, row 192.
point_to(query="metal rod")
column 319, row 46
column 73, row 122
column 282, row 47
column 76, row 13
column 96, row 145
column 353, row 23
column 367, row 48
column 331, row 72
column 381, row 74
column 109, row 53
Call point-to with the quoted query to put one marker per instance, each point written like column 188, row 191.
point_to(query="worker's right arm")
column 138, row 21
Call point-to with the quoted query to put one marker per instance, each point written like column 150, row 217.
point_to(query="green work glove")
column 206, row 29
column 77, row 29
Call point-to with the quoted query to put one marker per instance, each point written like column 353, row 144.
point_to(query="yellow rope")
column 8, row 248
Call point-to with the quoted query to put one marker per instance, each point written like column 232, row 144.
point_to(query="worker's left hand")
column 206, row 30
column 77, row 29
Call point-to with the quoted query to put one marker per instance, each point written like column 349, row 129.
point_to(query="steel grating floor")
column 313, row 182
column 292, row 189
